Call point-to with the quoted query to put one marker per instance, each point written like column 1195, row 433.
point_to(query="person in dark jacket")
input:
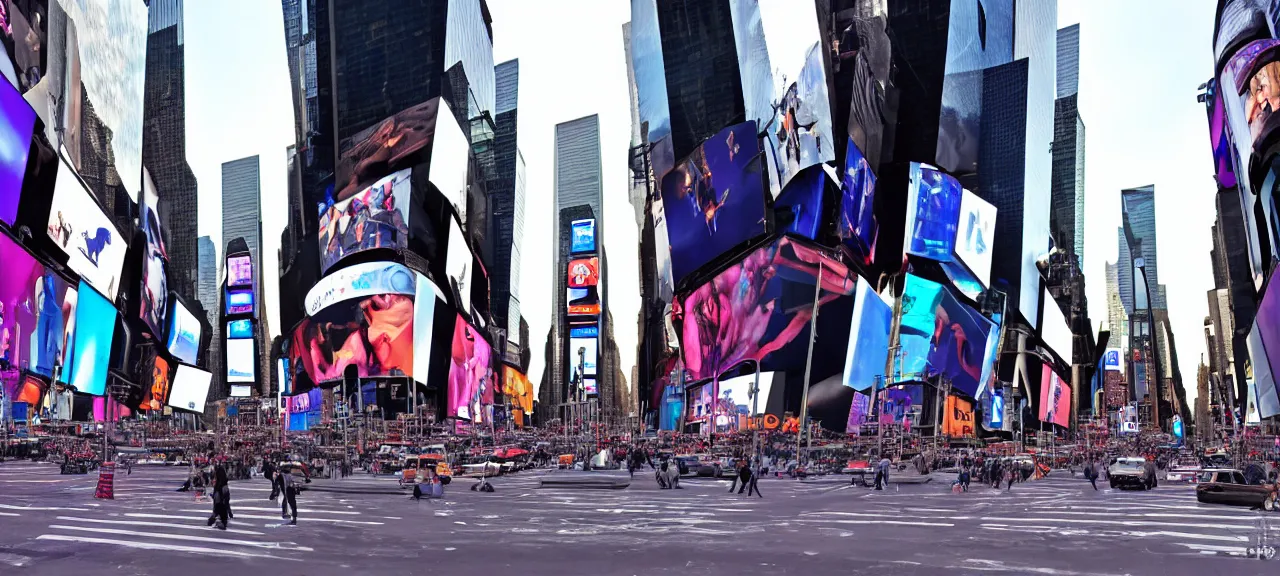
column 221, row 499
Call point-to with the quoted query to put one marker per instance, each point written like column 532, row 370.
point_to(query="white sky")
column 1138, row 88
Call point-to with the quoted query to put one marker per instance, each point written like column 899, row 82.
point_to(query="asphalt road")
column 51, row 524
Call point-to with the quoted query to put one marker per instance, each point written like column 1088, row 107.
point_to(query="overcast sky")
column 1138, row 89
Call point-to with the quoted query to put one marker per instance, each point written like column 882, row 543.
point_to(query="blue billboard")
column 95, row 329
column 584, row 236
column 1111, row 360
column 933, row 210
column 591, row 331
column 868, row 339
column 941, row 335
column 240, row 329
column 857, row 226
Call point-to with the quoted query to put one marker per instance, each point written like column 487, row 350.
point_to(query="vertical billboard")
column 799, row 208
column 1111, row 360
column 184, row 333
column 933, row 211
column 85, row 233
column 449, row 160
column 157, row 392
column 239, row 271
column 458, row 267
column 857, row 227
column 960, row 351
column 190, row 388
column 1055, row 398
column 470, row 373
column 397, row 142
column 957, row 417
column 800, row 134
column 376, row 217
column 1263, row 376
column 95, row 329
column 17, row 123
column 155, row 261
column 37, row 312
column 868, row 339
column 714, row 199
column 583, row 354
column 583, row 236
column 241, row 361
column 650, row 72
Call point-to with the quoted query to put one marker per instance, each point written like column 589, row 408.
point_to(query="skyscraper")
column 1117, row 320
column 704, row 83
column 1066, row 219
column 164, row 142
column 505, row 187
column 207, row 282
column 1139, row 229
column 242, row 207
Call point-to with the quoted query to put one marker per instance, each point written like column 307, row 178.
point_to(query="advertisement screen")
column 1267, row 326
column 157, row 393
column 190, row 388
column 584, row 272
column 589, row 387
column 458, row 266
column 155, row 260
column 1263, row 376
column 1251, row 416
column 239, row 302
column 760, row 309
column 800, row 135
column 241, row 362
column 376, row 217
column 868, row 338
column 975, row 231
column 1251, row 75
column 583, row 301
column 80, row 228
column 396, row 142
column 714, row 199
column 1111, row 360
column 857, row 227
column 30, row 390
column 859, row 412
column 591, row 331
column 1055, row 332
column 519, row 391
column 933, row 210
column 1055, row 398
column 1219, row 141
column 373, row 333
column 995, row 416
column 737, row 400
column 17, row 122
column 358, row 281
column 184, row 334
column 241, row 391
column 799, row 208
column 957, row 421
column 470, row 372
column 650, row 73
column 700, row 402
column 582, row 356
column 896, row 403
column 959, row 352
column 584, row 236
column 95, row 329
column 240, row 271
column 305, row 409
column 37, row 312
column 449, row 159
column 240, row 329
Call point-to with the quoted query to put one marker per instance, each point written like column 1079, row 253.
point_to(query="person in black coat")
column 221, row 499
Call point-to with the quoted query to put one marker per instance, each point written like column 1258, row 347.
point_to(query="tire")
column 1269, row 504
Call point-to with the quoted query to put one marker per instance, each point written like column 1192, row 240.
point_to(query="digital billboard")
column 241, row 362
column 397, row 142
column 1111, row 360
column 240, row 271
column 957, row 419
column 701, row 399
column 1251, row 416
column 1055, row 397
column 799, row 208
column 240, row 329
column 896, row 403
column 583, row 236
column 239, row 302
column 470, row 373
column 519, row 391
column 1263, row 376
column 27, row 31
column 975, row 232
column 157, row 393
column 30, row 390
column 458, row 267
column 1054, row 331
column 960, row 351
column 1251, row 90
column 241, row 391
column 714, row 199
column 933, row 211
column 995, row 416
column 155, row 260
column 376, row 217
column 1219, row 137
column 584, row 272
column 760, row 308
column 800, row 134
column 650, row 73
column 582, row 357
column 591, row 331
column 583, row 301
column 85, row 233
column 17, row 123
column 859, row 412
column 736, row 399
column 37, row 312
column 868, row 348
column 449, row 159
column 94, row 331
column 857, row 227
column 373, row 333
column 358, row 281
column 190, row 388
column 184, row 333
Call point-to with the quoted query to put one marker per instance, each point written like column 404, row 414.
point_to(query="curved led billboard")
column 760, row 309
column 1055, row 398
column 396, row 142
column 376, row 217
column 37, row 312
column 857, row 226
column 941, row 335
column 95, row 329
column 359, row 281
column 470, row 373
column 85, row 233
column 154, row 303
column 714, row 199
column 17, row 123
column 190, row 388
column 184, row 333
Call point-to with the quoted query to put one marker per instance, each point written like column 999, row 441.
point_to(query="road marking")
column 121, row 532
column 1121, row 522
column 201, row 527
column 892, row 522
column 175, row 516
column 159, row 546
column 308, row 518
column 47, row 508
column 9, row 514
column 309, row 509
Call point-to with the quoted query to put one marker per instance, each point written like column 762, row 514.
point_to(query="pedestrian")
column 289, row 495
column 1091, row 474
column 221, row 500
column 754, row 486
column 1010, row 476
column 744, row 476
column 882, row 473
column 269, row 471
column 964, row 479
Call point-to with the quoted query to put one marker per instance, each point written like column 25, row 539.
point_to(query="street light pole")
column 808, row 366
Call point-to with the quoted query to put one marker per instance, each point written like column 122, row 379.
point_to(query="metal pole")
column 755, row 410
column 808, row 366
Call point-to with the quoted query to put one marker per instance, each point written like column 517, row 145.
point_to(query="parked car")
column 1228, row 486
column 1184, row 469
column 1132, row 472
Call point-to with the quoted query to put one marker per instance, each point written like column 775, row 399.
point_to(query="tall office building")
column 1117, row 320
column 207, row 282
column 505, row 187
column 242, row 218
column 164, row 142
column 704, row 83
column 1066, row 220
column 1138, row 207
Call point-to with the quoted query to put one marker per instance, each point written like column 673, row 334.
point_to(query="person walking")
column 221, row 499
column 882, row 473
column 288, row 496
column 269, row 472
column 755, row 477
column 744, row 476
column 1091, row 473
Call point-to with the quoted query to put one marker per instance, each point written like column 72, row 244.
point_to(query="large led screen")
column 1264, row 350
column 241, row 362
column 584, row 272
column 470, row 372
column 583, row 301
column 714, row 199
column 237, row 329
column 868, row 348
column 1251, row 90
column 582, row 356
column 933, row 211
column 157, row 392
column 359, row 281
column 239, row 302
column 1055, row 332
column 240, row 271
column 190, row 388
column 37, row 312
column 396, row 142
column 941, row 335
column 449, row 160
column 17, row 121
column 799, row 208
column 30, row 390
column 760, row 309
column 376, row 217
column 519, row 391
column 26, row 33
column 583, row 237
column 95, row 329
column 701, row 400
column 859, row 411
column 800, row 135
column 975, row 231
column 957, row 417
column 80, row 228
column 184, row 334
column 1055, row 398
column 857, row 226
column 372, row 333
column 155, row 260
column 1219, row 137
column 736, row 397
column 458, row 267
